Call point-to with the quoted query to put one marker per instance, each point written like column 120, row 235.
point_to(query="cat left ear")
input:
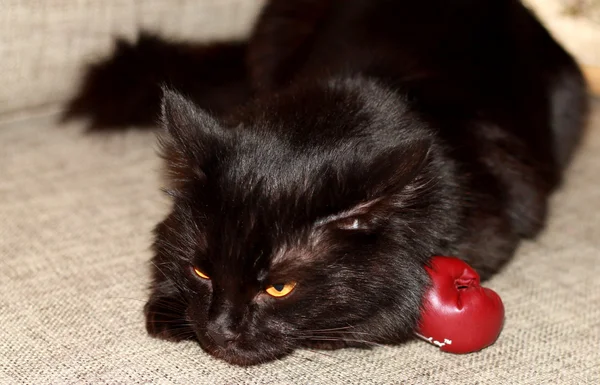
column 388, row 174
column 392, row 170
column 191, row 137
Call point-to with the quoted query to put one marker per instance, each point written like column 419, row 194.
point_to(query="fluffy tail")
column 124, row 90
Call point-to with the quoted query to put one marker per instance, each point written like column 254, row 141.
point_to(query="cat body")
column 332, row 154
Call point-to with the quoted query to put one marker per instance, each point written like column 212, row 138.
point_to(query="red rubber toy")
column 459, row 316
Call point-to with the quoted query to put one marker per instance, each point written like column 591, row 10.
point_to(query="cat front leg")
column 166, row 315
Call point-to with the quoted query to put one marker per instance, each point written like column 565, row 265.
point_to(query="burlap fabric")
column 75, row 218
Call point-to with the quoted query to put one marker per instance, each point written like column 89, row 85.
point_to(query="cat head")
column 301, row 218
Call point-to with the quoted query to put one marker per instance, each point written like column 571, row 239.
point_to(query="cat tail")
column 124, row 90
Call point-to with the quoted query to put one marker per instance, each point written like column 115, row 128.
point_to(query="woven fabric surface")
column 44, row 45
column 76, row 213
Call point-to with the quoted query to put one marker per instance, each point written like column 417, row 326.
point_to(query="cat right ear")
column 189, row 140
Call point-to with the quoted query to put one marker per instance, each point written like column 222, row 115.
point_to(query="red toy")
column 459, row 316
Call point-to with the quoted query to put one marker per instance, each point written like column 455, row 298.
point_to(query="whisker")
column 182, row 336
column 154, row 322
column 308, row 337
column 324, row 330
column 372, row 343
column 175, row 306
column 173, row 321
column 185, row 332
column 169, row 314
column 170, row 305
column 176, row 284
column 132, row 299
column 343, row 332
column 158, row 268
column 331, row 338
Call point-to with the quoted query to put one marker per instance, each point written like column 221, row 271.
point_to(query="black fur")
column 352, row 141
column 124, row 91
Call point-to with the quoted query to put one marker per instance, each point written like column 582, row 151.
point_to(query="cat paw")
column 166, row 322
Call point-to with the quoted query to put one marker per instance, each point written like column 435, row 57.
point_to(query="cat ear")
column 391, row 171
column 190, row 138
column 387, row 176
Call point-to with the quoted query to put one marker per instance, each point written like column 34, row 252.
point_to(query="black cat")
column 347, row 142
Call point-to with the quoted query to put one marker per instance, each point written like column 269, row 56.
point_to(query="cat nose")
column 221, row 336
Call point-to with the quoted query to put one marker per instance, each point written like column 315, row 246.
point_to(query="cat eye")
column 352, row 223
column 200, row 273
column 279, row 290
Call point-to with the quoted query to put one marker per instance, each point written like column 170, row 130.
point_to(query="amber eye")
column 279, row 290
column 200, row 273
